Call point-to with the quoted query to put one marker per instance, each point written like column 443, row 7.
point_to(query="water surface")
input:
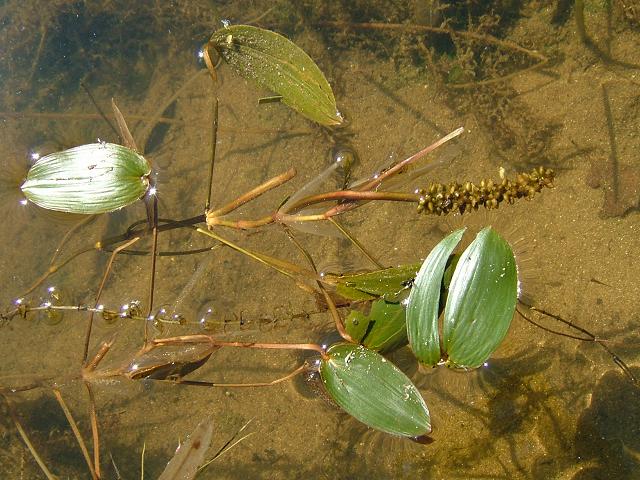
column 543, row 407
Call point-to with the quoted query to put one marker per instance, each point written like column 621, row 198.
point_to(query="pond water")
column 533, row 83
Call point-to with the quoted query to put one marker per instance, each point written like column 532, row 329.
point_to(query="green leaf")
column 89, row 179
column 276, row 63
column 389, row 283
column 424, row 302
column 481, row 302
column 374, row 390
column 383, row 329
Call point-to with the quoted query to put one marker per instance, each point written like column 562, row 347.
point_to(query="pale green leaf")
column 89, row 179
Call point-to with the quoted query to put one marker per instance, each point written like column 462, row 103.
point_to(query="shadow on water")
column 608, row 434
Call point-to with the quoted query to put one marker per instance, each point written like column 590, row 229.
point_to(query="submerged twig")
column 25, row 439
column 589, row 337
column 76, row 432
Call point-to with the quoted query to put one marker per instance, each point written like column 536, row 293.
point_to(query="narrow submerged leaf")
column 481, row 302
column 89, row 179
column 374, row 390
column 276, row 63
column 190, row 454
column 389, row 283
column 384, row 329
column 424, row 302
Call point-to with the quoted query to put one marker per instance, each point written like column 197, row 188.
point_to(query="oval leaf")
column 481, row 302
column 276, row 63
column 89, row 179
column 424, row 302
column 374, row 390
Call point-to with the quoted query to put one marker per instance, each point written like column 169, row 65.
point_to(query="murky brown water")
column 545, row 407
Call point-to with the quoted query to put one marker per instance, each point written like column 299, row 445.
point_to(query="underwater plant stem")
column 366, row 191
column 232, row 442
column 87, row 336
column 25, row 439
column 289, row 376
column 282, row 217
column 76, row 432
column 241, row 224
column 91, row 366
column 354, row 195
column 81, row 116
column 36, row 59
column 94, row 429
column 332, row 308
column 100, row 111
column 182, row 339
column 378, row 179
column 356, row 243
column 64, row 240
column 286, row 268
column 154, row 258
column 125, row 133
column 53, row 269
column 578, row 13
column 250, row 195
column 212, row 156
column 589, row 337
column 144, row 449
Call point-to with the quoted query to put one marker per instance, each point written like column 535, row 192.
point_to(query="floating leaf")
column 89, row 179
column 383, row 329
column 276, row 63
column 374, row 390
column 423, row 308
column 481, row 302
column 389, row 283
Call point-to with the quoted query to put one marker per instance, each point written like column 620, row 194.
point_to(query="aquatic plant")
column 475, row 291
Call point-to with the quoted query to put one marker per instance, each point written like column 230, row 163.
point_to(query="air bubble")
column 205, row 318
column 53, row 297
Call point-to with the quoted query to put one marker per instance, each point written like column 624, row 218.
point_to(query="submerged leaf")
column 276, row 63
column 383, row 329
column 190, row 454
column 389, row 283
column 374, row 390
column 481, row 301
column 423, row 308
column 89, row 179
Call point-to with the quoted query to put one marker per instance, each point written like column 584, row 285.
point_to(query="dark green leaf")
column 373, row 390
column 383, row 329
column 481, row 302
column 424, row 302
column 390, row 283
column 89, row 179
column 276, row 63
